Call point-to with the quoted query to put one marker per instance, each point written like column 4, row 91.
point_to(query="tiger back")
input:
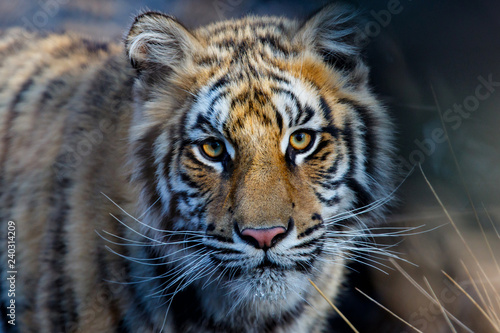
column 195, row 181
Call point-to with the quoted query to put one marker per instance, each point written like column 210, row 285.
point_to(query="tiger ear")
column 334, row 33
column 158, row 39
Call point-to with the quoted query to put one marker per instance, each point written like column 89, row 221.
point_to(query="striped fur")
column 118, row 209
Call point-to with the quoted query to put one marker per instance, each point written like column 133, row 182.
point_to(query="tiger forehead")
column 242, row 102
column 255, row 37
column 252, row 114
column 249, row 29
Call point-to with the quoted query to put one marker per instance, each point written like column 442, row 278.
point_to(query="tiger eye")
column 213, row 149
column 300, row 140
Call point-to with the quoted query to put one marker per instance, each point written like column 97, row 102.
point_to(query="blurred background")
column 427, row 57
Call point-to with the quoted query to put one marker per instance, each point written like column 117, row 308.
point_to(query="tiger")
column 188, row 180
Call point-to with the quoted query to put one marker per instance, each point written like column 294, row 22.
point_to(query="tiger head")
column 260, row 152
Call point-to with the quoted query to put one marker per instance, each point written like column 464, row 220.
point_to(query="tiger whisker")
column 145, row 224
column 131, row 242
column 401, row 231
column 184, row 273
column 134, row 242
column 138, row 260
column 160, row 287
column 149, row 208
column 140, row 234
column 367, row 208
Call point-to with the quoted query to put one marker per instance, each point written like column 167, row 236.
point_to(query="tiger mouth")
column 268, row 264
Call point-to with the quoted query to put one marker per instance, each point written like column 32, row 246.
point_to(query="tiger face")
column 257, row 146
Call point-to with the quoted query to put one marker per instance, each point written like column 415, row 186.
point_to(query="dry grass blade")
column 474, row 285
column 389, row 311
column 496, row 231
column 459, row 233
column 334, row 307
column 426, row 294
column 471, row 298
column 443, row 310
column 447, row 214
column 493, row 225
column 493, row 289
column 455, row 160
column 488, row 302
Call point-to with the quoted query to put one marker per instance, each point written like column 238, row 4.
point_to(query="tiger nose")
column 263, row 238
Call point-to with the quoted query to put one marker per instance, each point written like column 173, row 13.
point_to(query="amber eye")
column 213, row 149
column 300, row 140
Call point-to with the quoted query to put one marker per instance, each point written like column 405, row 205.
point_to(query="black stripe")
column 326, row 110
column 265, row 120
column 221, row 82
column 278, row 78
column 362, row 196
column 222, row 250
column 318, row 148
column 43, row 105
column 210, row 110
column 60, row 304
column 76, row 45
column 323, row 157
column 188, row 153
column 279, row 119
column 234, row 28
column 222, row 239
column 94, row 46
column 306, row 245
column 294, row 99
column 331, row 185
column 240, row 99
column 306, row 116
column 332, row 130
column 368, row 123
column 274, row 42
column 52, row 86
column 11, row 115
column 333, row 168
column 203, row 122
column 327, row 201
column 310, row 230
column 14, row 48
column 254, row 72
column 108, row 70
column 188, row 180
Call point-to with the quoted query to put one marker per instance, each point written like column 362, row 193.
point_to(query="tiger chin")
column 190, row 180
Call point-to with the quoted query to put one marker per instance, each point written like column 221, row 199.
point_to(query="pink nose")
column 263, row 238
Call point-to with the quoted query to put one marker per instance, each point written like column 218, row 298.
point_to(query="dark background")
column 444, row 46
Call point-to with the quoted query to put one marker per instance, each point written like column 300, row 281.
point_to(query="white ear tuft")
column 158, row 39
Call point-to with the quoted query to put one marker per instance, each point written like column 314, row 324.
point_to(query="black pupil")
column 300, row 137
column 215, row 146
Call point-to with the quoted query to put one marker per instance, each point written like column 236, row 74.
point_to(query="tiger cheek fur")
column 246, row 158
